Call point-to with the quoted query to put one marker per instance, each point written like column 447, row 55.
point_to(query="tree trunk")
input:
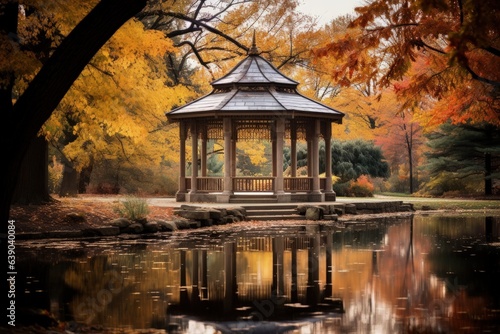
column 50, row 85
column 69, row 184
column 84, row 179
column 409, row 147
column 32, row 184
column 8, row 25
column 488, row 181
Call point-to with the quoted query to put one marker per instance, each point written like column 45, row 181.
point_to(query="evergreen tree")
column 353, row 158
column 463, row 156
column 350, row 159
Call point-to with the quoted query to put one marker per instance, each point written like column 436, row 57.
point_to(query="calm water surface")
column 413, row 274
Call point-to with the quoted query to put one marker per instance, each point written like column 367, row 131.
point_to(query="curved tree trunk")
column 21, row 124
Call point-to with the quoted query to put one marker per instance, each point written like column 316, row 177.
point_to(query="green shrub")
column 341, row 188
column 133, row 208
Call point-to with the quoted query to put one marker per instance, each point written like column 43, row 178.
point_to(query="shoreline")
column 92, row 233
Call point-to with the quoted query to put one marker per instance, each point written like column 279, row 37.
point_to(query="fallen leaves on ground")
column 71, row 214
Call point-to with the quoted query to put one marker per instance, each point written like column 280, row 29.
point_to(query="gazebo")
column 254, row 101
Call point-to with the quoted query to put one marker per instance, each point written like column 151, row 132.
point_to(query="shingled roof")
column 255, row 88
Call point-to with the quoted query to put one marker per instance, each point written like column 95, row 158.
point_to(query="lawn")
column 443, row 203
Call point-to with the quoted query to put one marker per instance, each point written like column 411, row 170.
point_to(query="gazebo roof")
column 255, row 88
column 254, row 70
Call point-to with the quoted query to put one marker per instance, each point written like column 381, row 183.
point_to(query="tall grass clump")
column 133, row 208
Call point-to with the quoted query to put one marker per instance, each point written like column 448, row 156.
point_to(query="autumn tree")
column 459, row 41
column 441, row 58
column 79, row 153
column 114, row 119
column 22, row 120
column 23, row 112
column 218, row 34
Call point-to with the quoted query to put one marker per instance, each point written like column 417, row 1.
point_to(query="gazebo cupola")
column 254, row 101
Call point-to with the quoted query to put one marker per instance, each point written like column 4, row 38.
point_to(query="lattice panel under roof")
column 212, row 128
column 301, row 129
column 215, row 130
column 253, row 129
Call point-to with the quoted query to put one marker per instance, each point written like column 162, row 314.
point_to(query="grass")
column 133, row 208
column 444, row 203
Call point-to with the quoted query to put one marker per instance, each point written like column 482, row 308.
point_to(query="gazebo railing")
column 291, row 184
column 207, row 184
column 255, row 184
column 297, row 183
column 322, row 183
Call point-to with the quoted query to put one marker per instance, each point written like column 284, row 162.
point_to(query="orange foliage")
column 443, row 54
column 365, row 182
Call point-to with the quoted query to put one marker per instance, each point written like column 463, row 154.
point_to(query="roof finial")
column 254, row 51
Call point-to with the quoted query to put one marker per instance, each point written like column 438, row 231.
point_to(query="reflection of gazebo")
column 254, row 101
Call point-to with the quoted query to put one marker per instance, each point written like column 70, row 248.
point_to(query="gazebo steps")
column 248, row 199
column 272, row 212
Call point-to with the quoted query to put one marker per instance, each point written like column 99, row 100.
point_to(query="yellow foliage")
column 254, row 150
column 116, row 108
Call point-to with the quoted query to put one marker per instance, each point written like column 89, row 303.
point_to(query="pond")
column 408, row 274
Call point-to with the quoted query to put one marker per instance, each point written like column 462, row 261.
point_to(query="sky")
column 326, row 10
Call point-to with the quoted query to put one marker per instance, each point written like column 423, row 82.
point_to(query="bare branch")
column 195, row 51
column 493, row 51
column 478, row 77
column 394, row 26
column 420, row 43
column 208, row 28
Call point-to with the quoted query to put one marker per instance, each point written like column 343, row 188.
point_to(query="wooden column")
column 293, row 147
column 309, row 155
column 203, row 152
column 328, row 158
column 233, row 154
column 315, row 157
column 182, row 162
column 194, row 155
column 228, row 184
column 280, row 137
column 273, row 153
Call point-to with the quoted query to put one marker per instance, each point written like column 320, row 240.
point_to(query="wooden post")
column 204, row 151
column 228, row 184
column 293, row 147
column 328, row 158
column 315, row 157
column 278, row 157
column 180, row 196
column 194, row 155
